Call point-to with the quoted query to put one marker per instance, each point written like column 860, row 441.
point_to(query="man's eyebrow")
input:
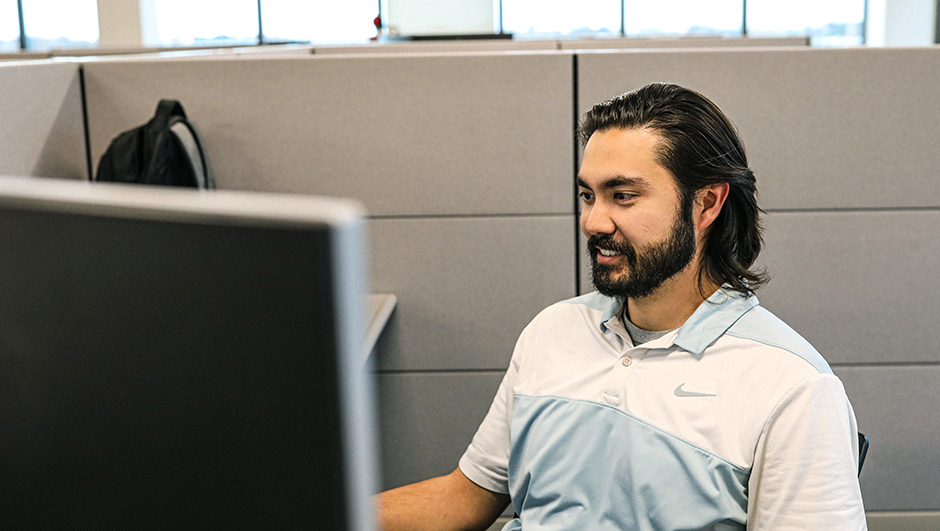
column 617, row 181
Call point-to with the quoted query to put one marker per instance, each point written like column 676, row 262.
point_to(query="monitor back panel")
column 159, row 375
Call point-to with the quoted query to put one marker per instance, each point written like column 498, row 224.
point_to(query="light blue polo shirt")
column 733, row 421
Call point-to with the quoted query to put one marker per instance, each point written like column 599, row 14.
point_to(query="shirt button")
column 626, row 360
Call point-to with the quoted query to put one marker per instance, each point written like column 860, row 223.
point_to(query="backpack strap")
column 166, row 110
column 188, row 136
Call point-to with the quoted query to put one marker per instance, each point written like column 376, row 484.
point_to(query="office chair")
column 862, row 450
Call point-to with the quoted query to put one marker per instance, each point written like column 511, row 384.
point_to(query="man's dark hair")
column 700, row 147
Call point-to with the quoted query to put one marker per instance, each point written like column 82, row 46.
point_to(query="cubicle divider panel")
column 464, row 162
column 627, row 43
column 862, row 286
column 824, row 128
column 428, row 419
column 211, row 54
column 23, row 56
column 897, row 408
column 163, row 51
column 438, row 47
column 516, row 45
column 407, row 135
column 466, row 287
column 42, row 131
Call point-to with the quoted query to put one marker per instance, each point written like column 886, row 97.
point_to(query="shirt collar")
column 611, row 311
column 712, row 319
column 709, row 321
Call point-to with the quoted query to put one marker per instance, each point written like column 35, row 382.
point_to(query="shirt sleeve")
column 805, row 473
column 486, row 460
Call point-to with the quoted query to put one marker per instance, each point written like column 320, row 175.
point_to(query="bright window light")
column 9, row 26
column 831, row 23
column 207, row 22
column 560, row 18
column 323, row 21
column 60, row 23
column 683, row 17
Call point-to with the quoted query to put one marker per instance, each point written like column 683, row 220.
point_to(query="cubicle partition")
column 296, row 49
column 42, row 132
column 23, row 56
column 523, row 44
column 465, row 162
column 626, row 43
column 438, row 47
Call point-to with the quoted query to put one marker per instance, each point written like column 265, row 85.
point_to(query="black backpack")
column 167, row 150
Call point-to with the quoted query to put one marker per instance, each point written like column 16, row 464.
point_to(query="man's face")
column 639, row 233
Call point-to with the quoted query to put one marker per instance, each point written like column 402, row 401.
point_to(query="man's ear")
column 709, row 201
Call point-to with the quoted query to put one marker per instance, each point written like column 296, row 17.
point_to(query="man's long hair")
column 700, row 147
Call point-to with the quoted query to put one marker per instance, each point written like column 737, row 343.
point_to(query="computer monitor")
column 181, row 359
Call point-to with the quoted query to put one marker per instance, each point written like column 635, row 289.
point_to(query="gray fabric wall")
column 466, row 162
column 501, row 45
column 41, row 129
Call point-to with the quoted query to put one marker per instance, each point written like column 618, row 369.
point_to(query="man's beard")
column 647, row 268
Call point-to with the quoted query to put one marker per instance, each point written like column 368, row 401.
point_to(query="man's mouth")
column 607, row 256
column 608, row 252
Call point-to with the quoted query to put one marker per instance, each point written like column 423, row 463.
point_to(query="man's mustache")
column 607, row 242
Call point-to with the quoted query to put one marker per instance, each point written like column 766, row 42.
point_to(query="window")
column 541, row 19
column 207, row 22
column 683, row 17
column 60, row 23
column 319, row 22
column 9, row 26
column 74, row 23
column 832, row 23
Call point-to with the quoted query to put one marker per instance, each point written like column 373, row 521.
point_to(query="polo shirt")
column 732, row 421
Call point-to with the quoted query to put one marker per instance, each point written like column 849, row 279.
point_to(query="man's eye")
column 623, row 196
column 586, row 196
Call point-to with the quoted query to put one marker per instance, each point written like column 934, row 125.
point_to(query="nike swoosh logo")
column 682, row 392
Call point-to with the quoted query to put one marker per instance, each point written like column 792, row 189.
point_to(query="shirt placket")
column 622, row 366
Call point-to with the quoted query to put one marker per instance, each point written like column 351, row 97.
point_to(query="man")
column 668, row 399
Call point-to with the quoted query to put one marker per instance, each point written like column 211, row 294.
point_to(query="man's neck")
column 672, row 304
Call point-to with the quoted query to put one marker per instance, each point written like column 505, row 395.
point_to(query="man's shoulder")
column 592, row 308
column 763, row 328
column 593, row 303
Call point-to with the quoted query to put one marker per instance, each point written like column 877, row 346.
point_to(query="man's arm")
column 805, row 474
column 444, row 503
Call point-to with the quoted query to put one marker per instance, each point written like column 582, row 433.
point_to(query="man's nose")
column 595, row 219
